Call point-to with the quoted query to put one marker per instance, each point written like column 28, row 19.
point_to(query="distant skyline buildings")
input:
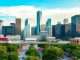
column 30, row 13
column 59, row 30
column 57, row 10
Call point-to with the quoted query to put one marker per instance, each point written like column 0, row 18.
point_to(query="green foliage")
column 71, row 49
column 52, row 53
column 8, row 51
column 13, row 56
column 3, row 53
column 65, row 38
column 32, row 51
column 32, row 58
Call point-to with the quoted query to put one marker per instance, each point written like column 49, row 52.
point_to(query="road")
column 22, row 55
column 65, row 58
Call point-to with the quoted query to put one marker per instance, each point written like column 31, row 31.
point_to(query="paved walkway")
column 22, row 55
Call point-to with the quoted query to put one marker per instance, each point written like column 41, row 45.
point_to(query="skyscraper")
column 49, row 27
column 39, row 18
column 75, row 24
column 53, row 30
column 66, row 28
column 33, row 30
column 18, row 26
column 58, row 30
column 26, row 31
column 66, row 21
column 13, row 24
column 26, row 22
column 1, row 26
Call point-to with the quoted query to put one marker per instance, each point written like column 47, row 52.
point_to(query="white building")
column 13, row 37
column 26, row 31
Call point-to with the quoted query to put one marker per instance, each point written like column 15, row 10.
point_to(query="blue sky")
column 42, row 3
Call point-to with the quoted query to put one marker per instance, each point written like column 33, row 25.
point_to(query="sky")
column 57, row 10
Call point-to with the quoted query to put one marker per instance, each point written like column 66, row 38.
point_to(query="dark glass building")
column 75, row 26
column 33, row 31
column 7, row 30
column 53, row 30
column 58, row 30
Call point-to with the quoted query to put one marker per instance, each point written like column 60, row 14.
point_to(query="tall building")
column 75, row 25
column 66, row 21
column 7, row 30
column 26, row 22
column 26, row 31
column 1, row 26
column 58, row 30
column 39, row 18
column 53, row 30
column 13, row 24
column 18, row 26
column 66, row 28
column 42, row 27
column 49, row 27
column 33, row 30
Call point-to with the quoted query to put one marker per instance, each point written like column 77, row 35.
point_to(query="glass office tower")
column 75, row 24
column 39, row 17
column 49, row 27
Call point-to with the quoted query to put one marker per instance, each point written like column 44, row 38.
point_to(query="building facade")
column 1, row 26
column 7, row 30
column 49, row 27
column 39, row 18
column 18, row 26
column 58, row 30
column 66, row 28
column 33, row 30
column 75, row 25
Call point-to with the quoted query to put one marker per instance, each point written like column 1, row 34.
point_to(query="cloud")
column 24, row 12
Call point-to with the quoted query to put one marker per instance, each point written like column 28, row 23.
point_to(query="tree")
column 32, row 58
column 32, row 52
column 13, row 56
column 3, row 53
column 52, row 53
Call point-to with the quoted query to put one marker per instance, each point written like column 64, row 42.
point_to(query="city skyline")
column 58, row 10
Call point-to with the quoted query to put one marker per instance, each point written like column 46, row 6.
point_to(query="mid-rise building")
column 33, row 30
column 7, row 30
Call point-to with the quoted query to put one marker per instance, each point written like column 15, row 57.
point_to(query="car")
column 22, row 57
